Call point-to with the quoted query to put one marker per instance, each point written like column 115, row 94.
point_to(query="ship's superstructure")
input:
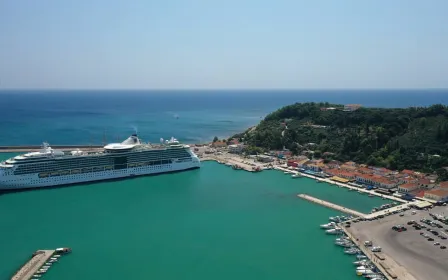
column 132, row 157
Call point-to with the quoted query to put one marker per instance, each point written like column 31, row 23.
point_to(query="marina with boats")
column 365, row 266
column 41, row 261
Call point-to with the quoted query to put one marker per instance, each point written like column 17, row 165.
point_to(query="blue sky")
column 174, row 44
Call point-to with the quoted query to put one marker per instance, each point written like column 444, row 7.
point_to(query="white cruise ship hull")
column 16, row 182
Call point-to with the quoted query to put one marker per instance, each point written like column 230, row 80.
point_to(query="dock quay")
column 390, row 269
column 32, row 266
column 38, row 260
column 332, row 205
column 233, row 161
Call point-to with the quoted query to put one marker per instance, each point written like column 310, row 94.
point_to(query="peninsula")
column 396, row 138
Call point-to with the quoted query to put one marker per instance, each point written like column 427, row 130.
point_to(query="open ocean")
column 84, row 117
column 210, row 223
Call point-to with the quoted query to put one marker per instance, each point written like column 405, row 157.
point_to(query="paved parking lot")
column 409, row 249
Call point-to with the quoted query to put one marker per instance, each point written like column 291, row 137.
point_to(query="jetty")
column 332, row 205
column 233, row 161
column 37, row 261
column 384, row 263
column 33, row 265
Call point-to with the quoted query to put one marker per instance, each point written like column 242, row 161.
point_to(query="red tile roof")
column 408, row 186
column 409, row 172
column 441, row 193
column 424, row 181
column 420, row 194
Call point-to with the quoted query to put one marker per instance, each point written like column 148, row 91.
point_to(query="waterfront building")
column 264, row 158
column 407, row 188
column 219, row 144
column 437, row 195
column 236, row 148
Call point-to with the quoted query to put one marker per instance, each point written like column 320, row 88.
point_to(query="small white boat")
column 363, row 262
column 346, row 244
column 48, row 263
column 296, row 176
column 352, row 251
column 57, row 256
column 363, row 271
column 361, row 257
column 334, row 231
column 37, row 276
column 342, row 239
column 46, row 267
column 286, row 172
column 328, row 226
column 336, row 219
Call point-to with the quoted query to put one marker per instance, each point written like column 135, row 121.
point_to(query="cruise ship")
column 49, row 167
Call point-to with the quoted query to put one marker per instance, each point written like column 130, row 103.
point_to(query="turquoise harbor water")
column 211, row 223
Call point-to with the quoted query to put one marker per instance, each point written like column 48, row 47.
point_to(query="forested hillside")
column 412, row 138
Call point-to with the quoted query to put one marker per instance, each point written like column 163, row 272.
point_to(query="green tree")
column 215, row 139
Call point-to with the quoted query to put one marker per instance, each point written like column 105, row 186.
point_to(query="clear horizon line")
column 218, row 89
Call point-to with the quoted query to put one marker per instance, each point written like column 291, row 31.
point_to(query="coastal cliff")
column 399, row 138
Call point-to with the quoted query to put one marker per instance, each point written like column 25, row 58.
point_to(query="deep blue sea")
column 84, row 117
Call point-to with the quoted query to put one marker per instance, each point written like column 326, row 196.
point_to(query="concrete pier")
column 385, row 264
column 233, row 161
column 332, row 205
column 33, row 265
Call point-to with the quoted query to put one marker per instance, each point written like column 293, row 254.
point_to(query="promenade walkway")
column 342, row 184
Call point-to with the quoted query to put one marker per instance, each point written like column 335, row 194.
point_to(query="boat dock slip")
column 33, row 265
column 385, row 264
column 331, row 205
